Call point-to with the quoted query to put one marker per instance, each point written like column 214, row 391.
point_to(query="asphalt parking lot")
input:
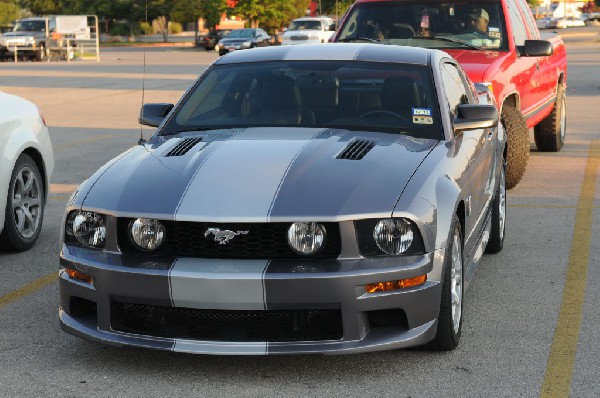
column 531, row 323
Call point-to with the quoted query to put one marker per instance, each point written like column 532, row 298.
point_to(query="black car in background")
column 240, row 39
column 210, row 41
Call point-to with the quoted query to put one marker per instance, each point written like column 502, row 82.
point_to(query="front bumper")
column 368, row 322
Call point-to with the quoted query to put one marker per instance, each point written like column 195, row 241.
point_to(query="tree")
column 42, row 7
column 270, row 14
column 9, row 12
column 329, row 7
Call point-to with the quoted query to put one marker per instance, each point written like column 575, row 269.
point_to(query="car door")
column 477, row 151
column 528, row 83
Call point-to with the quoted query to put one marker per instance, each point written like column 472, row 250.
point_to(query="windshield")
column 30, row 26
column 308, row 25
column 364, row 96
column 447, row 25
column 240, row 33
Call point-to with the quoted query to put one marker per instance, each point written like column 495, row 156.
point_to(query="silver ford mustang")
column 313, row 199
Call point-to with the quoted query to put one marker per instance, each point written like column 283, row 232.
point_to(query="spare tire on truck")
column 517, row 145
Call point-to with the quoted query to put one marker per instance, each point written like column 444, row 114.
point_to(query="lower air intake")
column 228, row 326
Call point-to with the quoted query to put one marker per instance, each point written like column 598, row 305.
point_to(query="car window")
column 366, row 96
column 518, row 26
column 240, row 34
column 531, row 25
column 455, row 88
column 305, row 25
column 451, row 24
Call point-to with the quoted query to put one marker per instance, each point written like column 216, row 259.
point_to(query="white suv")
column 309, row 31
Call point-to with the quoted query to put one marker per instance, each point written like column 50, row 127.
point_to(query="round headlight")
column 89, row 229
column 393, row 236
column 306, row 237
column 147, row 234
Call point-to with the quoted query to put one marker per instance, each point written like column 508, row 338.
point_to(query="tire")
column 498, row 218
column 551, row 131
column 24, row 211
column 517, row 145
column 449, row 322
column 40, row 54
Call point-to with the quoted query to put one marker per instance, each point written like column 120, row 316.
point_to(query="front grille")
column 230, row 326
column 266, row 241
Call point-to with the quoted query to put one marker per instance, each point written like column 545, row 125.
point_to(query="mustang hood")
column 260, row 175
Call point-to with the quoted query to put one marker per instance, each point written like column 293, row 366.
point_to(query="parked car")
column 309, row 31
column 567, row 22
column 26, row 164
column 307, row 199
column 241, row 39
column 211, row 40
column 498, row 44
column 543, row 23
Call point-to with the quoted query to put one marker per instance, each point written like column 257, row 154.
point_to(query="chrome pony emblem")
column 223, row 236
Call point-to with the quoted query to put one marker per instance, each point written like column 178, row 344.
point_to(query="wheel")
column 517, row 145
column 383, row 113
column 498, row 219
column 550, row 132
column 40, row 54
column 449, row 323
column 207, row 48
column 24, row 207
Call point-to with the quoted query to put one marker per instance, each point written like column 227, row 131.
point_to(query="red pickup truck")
column 498, row 44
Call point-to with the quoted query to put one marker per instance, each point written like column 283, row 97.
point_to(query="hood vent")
column 184, row 146
column 356, row 150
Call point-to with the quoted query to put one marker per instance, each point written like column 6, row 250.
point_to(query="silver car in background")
column 327, row 199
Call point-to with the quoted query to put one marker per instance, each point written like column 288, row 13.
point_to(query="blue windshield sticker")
column 421, row 112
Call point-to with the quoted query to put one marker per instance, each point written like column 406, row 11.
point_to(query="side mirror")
column 332, row 28
column 537, row 48
column 473, row 117
column 153, row 114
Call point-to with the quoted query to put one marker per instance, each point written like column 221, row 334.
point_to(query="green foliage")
column 9, row 12
column 329, row 7
column 534, row 3
column 120, row 29
column 43, row 7
column 270, row 14
column 175, row 27
column 146, row 28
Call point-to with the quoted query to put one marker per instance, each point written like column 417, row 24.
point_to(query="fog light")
column 74, row 274
column 395, row 285
column 147, row 234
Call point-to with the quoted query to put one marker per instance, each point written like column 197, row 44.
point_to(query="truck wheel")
column 40, row 54
column 550, row 132
column 498, row 217
column 517, row 145
column 24, row 207
column 449, row 322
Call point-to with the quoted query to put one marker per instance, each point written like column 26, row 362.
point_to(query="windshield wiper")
column 443, row 38
column 359, row 38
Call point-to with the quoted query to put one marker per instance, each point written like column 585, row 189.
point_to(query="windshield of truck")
column 308, row 25
column 459, row 24
column 363, row 96
column 30, row 26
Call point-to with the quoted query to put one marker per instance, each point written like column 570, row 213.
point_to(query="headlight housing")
column 389, row 237
column 306, row 238
column 147, row 234
column 246, row 44
column 86, row 228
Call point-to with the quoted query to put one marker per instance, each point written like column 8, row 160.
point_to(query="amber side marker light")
column 74, row 274
column 395, row 285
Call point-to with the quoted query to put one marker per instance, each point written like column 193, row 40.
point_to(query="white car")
column 26, row 164
column 568, row 22
column 309, row 31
